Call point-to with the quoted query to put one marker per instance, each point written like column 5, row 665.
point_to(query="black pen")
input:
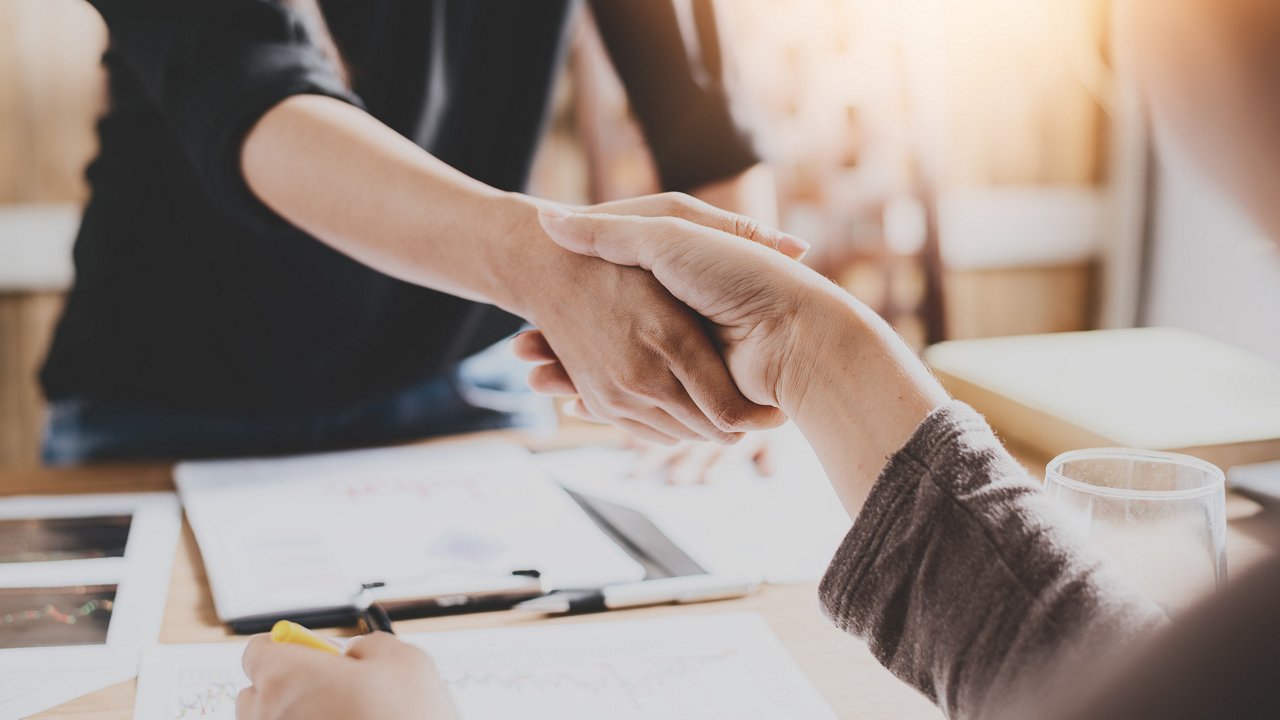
column 370, row 615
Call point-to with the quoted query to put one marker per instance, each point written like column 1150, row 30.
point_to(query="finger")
column 622, row 240
column 264, row 660
column 247, row 704
column 532, row 346
column 708, row 215
column 687, row 411
column 683, row 256
column 647, row 432
column 255, row 654
column 663, row 422
column 551, row 379
column 692, row 469
column 765, row 458
column 654, row 426
column 655, row 458
column 378, row 645
column 706, row 379
column 576, row 408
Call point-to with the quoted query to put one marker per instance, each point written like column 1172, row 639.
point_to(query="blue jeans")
column 485, row 392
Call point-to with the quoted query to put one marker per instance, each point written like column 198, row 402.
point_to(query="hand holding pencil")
column 303, row 675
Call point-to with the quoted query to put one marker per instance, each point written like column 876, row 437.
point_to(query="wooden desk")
column 841, row 667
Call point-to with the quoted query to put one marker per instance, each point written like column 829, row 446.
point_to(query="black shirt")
column 191, row 294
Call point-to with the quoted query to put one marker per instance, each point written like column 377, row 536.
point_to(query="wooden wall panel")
column 51, row 92
column 51, row 89
column 26, row 323
column 1020, row 301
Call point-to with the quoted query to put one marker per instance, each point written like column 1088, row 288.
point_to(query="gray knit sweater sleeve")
column 958, row 577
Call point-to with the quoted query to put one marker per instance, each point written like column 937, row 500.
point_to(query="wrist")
column 516, row 252
column 848, row 360
column 826, row 330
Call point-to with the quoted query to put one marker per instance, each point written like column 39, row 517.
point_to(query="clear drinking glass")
column 1160, row 516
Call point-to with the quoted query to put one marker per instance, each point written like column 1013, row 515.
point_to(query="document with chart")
column 288, row 535
column 702, row 667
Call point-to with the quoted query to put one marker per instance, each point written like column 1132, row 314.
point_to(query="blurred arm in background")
column 671, row 60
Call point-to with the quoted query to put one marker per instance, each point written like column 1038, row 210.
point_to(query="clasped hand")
column 647, row 333
column 716, row 325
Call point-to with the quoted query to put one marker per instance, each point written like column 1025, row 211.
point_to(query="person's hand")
column 378, row 677
column 631, row 354
column 790, row 337
column 750, row 293
column 693, row 463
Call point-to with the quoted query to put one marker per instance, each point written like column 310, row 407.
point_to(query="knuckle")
column 612, row 401
column 671, row 346
column 633, row 381
column 678, row 203
column 727, row 417
column 746, row 227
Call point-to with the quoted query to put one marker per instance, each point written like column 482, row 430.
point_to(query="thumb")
column 696, row 211
column 622, row 240
column 375, row 645
column 709, row 270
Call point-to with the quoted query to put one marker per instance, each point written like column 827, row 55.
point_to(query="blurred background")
column 970, row 168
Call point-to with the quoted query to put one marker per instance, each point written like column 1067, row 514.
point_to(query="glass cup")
column 1160, row 516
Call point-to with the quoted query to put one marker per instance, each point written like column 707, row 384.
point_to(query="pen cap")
column 294, row 634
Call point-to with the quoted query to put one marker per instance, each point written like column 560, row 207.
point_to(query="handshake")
column 707, row 326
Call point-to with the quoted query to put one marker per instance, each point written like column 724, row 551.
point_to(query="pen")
column 676, row 590
column 286, row 631
column 370, row 615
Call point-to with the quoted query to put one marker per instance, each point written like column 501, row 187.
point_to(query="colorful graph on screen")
column 36, row 617
column 64, row 538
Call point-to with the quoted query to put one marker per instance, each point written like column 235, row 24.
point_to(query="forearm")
column 955, row 571
column 355, row 184
column 855, row 390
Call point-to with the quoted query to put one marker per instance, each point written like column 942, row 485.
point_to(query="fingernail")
column 351, row 643
column 554, row 212
column 792, row 246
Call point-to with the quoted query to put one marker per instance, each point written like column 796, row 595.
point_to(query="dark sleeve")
column 212, row 68
column 677, row 88
column 962, row 581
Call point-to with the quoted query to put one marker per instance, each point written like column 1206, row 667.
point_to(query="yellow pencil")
column 291, row 632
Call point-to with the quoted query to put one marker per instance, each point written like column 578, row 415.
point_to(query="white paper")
column 302, row 533
column 35, row 679
column 188, row 681
column 783, row 528
column 702, row 667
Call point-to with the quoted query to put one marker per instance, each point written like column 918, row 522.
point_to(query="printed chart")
column 180, row 682
column 704, row 667
column 708, row 666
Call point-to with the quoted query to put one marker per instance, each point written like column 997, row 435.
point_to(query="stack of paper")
column 704, row 667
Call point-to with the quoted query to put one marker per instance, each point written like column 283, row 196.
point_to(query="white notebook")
column 1152, row 388
column 299, row 534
